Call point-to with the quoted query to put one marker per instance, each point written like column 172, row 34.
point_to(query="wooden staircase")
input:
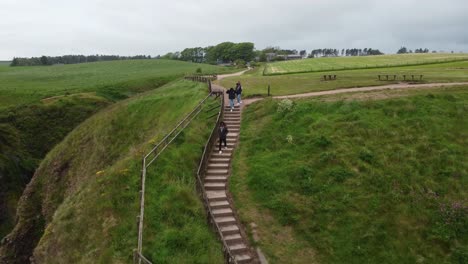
column 216, row 183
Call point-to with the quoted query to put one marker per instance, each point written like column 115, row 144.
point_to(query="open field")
column 83, row 201
column 359, row 62
column 357, row 181
column 254, row 84
column 113, row 79
column 5, row 63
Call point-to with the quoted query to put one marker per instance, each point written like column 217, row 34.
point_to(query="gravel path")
column 360, row 89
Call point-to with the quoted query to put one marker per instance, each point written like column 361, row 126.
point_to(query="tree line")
column 404, row 50
column 71, row 59
column 226, row 52
column 344, row 52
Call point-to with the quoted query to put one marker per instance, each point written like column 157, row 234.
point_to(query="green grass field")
column 360, row 181
column 254, row 84
column 83, row 201
column 113, row 79
column 40, row 105
column 361, row 62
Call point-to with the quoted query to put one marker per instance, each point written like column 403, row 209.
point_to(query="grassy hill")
column 82, row 202
column 359, row 62
column 357, row 181
column 40, row 105
column 112, row 79
column 255, row 84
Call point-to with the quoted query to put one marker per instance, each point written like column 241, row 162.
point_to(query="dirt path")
column 360, row 89
column 222, row 76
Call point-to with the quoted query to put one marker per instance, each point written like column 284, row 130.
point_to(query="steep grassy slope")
column 82, row 202
column 28, row 133
column 375, row 181
column 255, row 84
column 40, row 105
column 361, row 62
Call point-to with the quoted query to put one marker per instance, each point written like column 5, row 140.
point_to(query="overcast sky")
column 152, row 27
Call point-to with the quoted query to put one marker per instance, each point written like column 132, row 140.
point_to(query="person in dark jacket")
column 232, row 96
column 239, row 93
column 222, row 131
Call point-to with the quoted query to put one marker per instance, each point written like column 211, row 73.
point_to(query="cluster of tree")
column 404, row 50
column 71, row 59
column 276, row 53
column 226, row 52
column 344, row 52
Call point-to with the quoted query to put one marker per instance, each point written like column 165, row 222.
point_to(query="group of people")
column 235, row 93
column 223, row 130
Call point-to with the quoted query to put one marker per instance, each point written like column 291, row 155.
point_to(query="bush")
column 285, row 106
column 323, row 142
column 340, row 174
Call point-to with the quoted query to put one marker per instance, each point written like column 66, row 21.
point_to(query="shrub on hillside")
column 285, row 106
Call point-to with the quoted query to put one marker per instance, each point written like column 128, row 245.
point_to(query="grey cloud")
column 54, row 27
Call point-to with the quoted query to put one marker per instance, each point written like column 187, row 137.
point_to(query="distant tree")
column 303, row 53
column 44, row 60
column 14, row 62
column 402, row 50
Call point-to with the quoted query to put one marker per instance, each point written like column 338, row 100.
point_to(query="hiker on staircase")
column 239, row 92
column 232, row 96
column 222, row 131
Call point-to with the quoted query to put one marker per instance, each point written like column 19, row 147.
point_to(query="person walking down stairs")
column 222, row 131
column 232, row 96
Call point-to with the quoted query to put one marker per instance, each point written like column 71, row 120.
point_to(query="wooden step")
column 222, row 212
column 216, row 150
column 212, row 186
column 229, row 139
column 215, row 154
column 220, row 204
column 225, row 221
column 233, row 239
column 230, row 124
column 229, row 229
column 219, row 160
column 229, row 145
column 238, row 248
column 242, row 258
column 218, row 165
column 215, row 196
column 217, row 172
column 215, row 178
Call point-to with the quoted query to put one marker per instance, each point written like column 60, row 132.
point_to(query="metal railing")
column 228, row 256
column 148, row 159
